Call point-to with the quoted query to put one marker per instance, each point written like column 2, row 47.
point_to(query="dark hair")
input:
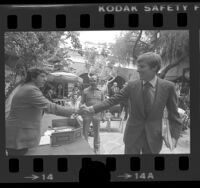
column 33, row 73
column 153, row 59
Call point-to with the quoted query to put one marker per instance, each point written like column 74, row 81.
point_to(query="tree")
column 90, row 55
column 174, row 49
column 173, row 46
column 122, row 48
column 104, row 52
column 31, row 48
column 129, row 45
column 35, row 49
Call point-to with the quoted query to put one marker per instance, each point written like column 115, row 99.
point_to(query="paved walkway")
column 112, row 142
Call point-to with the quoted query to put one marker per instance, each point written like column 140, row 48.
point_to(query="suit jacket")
column 23, row 124
column 165, row 95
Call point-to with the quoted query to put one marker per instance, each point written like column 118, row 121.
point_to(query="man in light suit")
column 148, row 97
column 24, row 121
column 91, row 96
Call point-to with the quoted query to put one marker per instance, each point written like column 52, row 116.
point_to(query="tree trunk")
column 170, row 66
column 136, row 42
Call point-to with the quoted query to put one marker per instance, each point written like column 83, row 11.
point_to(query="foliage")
column 173, row 46
column 90, row 55
column 96, row 61
column 36, row 49
column 130, row 44
column 31, row 47
column 174, row 49
column 104, row 52
column 73, row 38
column 122, row 48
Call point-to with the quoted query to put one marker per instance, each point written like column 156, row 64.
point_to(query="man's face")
column 93, row 82
column 145, row 71
column 40, row 80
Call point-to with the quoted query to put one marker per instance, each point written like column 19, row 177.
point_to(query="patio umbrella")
column 62, row 77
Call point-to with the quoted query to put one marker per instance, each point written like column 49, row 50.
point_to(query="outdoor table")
column 80, row 147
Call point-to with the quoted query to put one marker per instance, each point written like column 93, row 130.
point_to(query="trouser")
column 96, row 126
column 18, row 152
column 140, row 147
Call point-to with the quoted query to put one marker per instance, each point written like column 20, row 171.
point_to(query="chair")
column 112, row 117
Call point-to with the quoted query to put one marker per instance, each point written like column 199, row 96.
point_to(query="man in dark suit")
column 148, row 97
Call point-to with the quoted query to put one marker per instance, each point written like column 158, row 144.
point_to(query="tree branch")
column 170, row 66
column 136, row 42
column 146, row 44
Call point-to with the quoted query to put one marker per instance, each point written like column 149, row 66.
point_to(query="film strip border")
column 90, row 18
column 135, row 164
column 85, row 21
column 63, row 168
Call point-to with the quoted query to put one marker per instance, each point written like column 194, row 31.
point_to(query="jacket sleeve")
column 37, row 100
column 173, row 114
column 123, row 95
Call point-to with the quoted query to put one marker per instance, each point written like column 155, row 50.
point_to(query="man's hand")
column 83, row 109
column 86, row 110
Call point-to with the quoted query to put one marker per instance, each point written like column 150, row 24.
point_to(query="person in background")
column 148, row 98
column 115, row 110
column 76, row 91
column 75, row 97
column 50, row 94
column 23, row 124
column 114, row 89
column 91, row 96
column 60, row 91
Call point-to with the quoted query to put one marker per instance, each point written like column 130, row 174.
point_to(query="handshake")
column 85, row 110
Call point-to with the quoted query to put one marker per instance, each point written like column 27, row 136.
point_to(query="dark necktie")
column 147, row 99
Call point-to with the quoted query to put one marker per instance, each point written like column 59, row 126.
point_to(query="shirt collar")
column 152, row 82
